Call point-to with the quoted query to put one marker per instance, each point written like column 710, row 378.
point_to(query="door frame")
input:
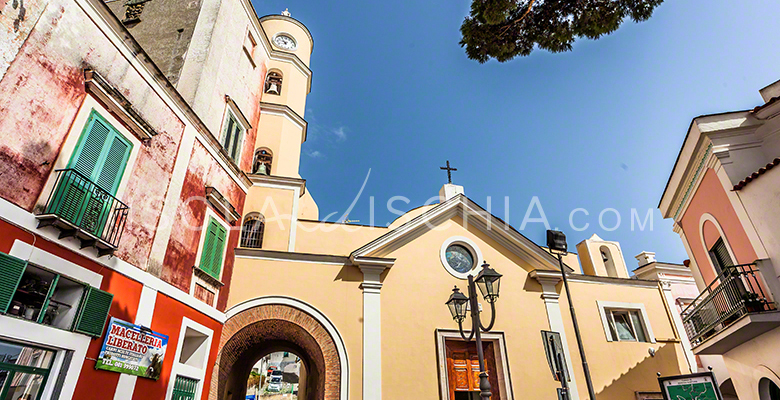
column 502, row 360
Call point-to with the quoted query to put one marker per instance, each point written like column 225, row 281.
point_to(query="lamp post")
column 488, row 281
column 556, row 242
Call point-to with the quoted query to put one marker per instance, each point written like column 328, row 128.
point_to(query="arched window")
column 273, row 83
column 252, row 231
column 767, row 390
column 263, row 160
column 609, row 263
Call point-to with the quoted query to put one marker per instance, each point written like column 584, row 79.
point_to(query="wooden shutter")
column 184, row 388
column 219, row 247
column 228, row 139
column 213, row 246
column 90, row 148
column 109, row 173
column 208, row 247
column 11, row 270
column 101, row 154
column 722, row 254
column 93, row 312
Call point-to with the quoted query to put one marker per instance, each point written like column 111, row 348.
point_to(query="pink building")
column 723, row 197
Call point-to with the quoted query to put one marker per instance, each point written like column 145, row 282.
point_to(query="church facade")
column 150, row 180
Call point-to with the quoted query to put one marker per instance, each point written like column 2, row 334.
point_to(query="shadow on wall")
column 643, row 376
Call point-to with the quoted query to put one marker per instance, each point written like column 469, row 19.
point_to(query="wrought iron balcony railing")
column 80, row 208
column 737, row 291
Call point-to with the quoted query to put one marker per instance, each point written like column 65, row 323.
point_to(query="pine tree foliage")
column 504, row 29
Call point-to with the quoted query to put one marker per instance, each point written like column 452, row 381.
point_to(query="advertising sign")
column 701, row 386
column 132, row 349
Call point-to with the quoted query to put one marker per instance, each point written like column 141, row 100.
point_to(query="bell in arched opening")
column 273, row 83
column 263, row 160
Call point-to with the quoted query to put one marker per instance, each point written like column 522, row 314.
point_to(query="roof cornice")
column 472, row 213
column 278, row 181
column 279, row 109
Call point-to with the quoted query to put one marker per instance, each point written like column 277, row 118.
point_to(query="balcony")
column 79, row 208
column 733, row 309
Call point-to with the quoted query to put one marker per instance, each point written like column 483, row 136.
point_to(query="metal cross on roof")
column 449, row 171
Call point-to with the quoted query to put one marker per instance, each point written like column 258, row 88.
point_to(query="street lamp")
column 556, row 242
column 488, row 281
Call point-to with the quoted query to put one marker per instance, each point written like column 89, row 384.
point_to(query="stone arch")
column 261, row 326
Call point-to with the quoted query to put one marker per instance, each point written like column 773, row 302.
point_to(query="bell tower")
column 278, row 197
column 282, row 128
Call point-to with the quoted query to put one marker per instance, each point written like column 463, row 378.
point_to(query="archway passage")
column 254, row 333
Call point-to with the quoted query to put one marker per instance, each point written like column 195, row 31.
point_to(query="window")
column 48, row 298
column 184, row 388
column 252, row 231
column 720, row 257
column 84, row 194
column 460, row 256
column 273, row 83
column 625, row 322
column 626, row 325
column 213, row 248
column 263, row 160
column 232, row 136
column 189, row 363
column 23, row 371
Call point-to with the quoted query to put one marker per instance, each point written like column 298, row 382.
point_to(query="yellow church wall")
column 268, row 136
column 619, row 369
column 276, row 206
column 332, row 289
column 318, row 237
column 308, row 209
column 413, row 295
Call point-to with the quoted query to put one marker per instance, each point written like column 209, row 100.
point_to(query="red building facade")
column 121, row 195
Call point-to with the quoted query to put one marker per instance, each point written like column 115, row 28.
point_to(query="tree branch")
column 515, row 22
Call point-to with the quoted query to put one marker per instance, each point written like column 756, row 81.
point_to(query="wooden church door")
column 463, row 370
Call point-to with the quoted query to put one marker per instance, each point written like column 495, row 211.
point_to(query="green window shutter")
column 184, row 388
column 93, row 312
column 219, row 246
column 206, row 256
column 11, row 270
column 101, row 154
column 213, row 246
column 110, row 172
column 90, row 147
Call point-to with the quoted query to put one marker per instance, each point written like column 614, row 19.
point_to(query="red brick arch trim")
column 279, row 322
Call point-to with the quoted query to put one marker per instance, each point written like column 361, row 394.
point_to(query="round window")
column 459, row 258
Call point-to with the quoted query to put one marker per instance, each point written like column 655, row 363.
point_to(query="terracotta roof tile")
column 756, row 174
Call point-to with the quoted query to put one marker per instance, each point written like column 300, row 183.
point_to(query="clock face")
column 285, row 42
column 459, row 258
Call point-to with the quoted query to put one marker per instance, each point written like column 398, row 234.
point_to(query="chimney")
column 645, row 257
column 449, row 191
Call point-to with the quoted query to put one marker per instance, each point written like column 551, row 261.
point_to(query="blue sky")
column 595, row 128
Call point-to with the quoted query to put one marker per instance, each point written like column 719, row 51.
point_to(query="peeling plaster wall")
column 17, row 18
column 180, row 257
column 39, row 97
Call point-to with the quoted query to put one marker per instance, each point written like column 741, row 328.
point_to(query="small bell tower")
column 282, row 128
